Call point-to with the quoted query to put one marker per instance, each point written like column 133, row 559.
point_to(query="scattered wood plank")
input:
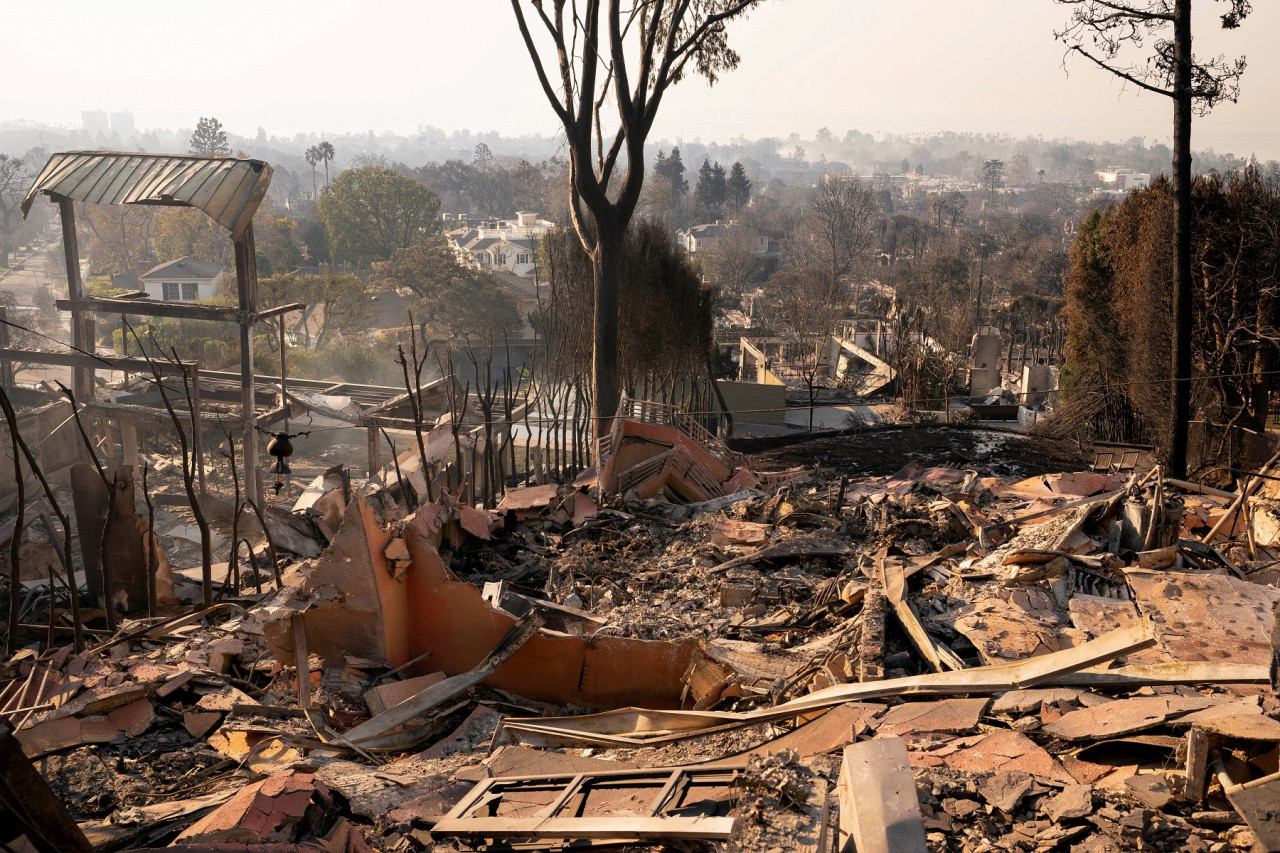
column 1197, row 765
column 643, row 727
column 801, row 546
column 894, row 579
column 879, row 809
column 301, row 662
column 1256, row 803
column 1045, row 513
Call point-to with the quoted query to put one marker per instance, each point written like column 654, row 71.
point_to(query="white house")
column 183, row 280
column 1125, row 179
column 703, row 238
column 509, row 245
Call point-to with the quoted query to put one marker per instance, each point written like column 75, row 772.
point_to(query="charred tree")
column 590, row 54
column 1103, row 31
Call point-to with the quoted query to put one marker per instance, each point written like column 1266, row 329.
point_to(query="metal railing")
column 665, row 414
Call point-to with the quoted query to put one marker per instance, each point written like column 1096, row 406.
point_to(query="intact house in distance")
column 704, row 238
column 183, row 280
column 509, row 245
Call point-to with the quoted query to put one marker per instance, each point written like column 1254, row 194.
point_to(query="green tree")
column 119, row 236
column 344, row 297
column 598, row 53
column 209, row 137
column 453, row 301
column 371, row 211
column 180, row 232
column 276, row 238
column 737, row 188
column 671, row 169
column 709, row 195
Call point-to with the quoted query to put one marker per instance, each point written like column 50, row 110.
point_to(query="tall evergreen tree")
column 708, row 195
column 671, row 169
column 718, row 191
column 209, row 137
column 737, row 189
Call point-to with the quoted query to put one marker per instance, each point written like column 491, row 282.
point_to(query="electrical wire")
column 708, row 412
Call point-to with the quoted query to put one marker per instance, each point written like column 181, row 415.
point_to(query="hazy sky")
column 878, row 66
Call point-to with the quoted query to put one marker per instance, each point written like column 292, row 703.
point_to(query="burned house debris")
column 904, row 639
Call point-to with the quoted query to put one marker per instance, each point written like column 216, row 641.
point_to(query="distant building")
column 703, row 238
column 183, row 280
column 122, row 123
column 1251, row 163
column 507, row 245
column 95, row 121
column 1125, row 179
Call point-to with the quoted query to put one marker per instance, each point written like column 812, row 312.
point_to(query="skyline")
column 914, row 67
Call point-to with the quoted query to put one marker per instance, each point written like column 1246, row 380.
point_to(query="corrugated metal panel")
column 755, row 403
column 228, row 189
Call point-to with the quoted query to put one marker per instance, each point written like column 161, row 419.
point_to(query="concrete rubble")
column 891, row 650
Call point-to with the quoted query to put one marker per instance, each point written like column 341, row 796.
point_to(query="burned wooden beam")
column 150, row 308
column 879, row 809
column 71, row 359
column 32, row 808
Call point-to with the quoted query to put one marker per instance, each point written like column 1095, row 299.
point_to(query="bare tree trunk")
column 1181, row 414
column 607, row 265
column 73, row 589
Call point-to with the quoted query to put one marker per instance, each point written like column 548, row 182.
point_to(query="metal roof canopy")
column 227, row 189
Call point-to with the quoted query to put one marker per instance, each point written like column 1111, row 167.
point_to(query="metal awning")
column 228, row 189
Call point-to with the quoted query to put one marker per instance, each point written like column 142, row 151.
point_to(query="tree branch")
column 1122, row 9
column 1124, row 75
column 561, row 112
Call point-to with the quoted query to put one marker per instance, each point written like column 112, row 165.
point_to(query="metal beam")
column 75, row 359
column 281, row 309
column 82, row 337
column 247, row 291
column 151, row 308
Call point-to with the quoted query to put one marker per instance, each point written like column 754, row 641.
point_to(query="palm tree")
column 313, row 157
column 325, row 151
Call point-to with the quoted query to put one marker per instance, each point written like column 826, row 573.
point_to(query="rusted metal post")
column 247, row 290
column 81, row 324
column 284, row 394
column 124, row 349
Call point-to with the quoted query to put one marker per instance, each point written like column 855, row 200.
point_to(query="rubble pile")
column 692, row 649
